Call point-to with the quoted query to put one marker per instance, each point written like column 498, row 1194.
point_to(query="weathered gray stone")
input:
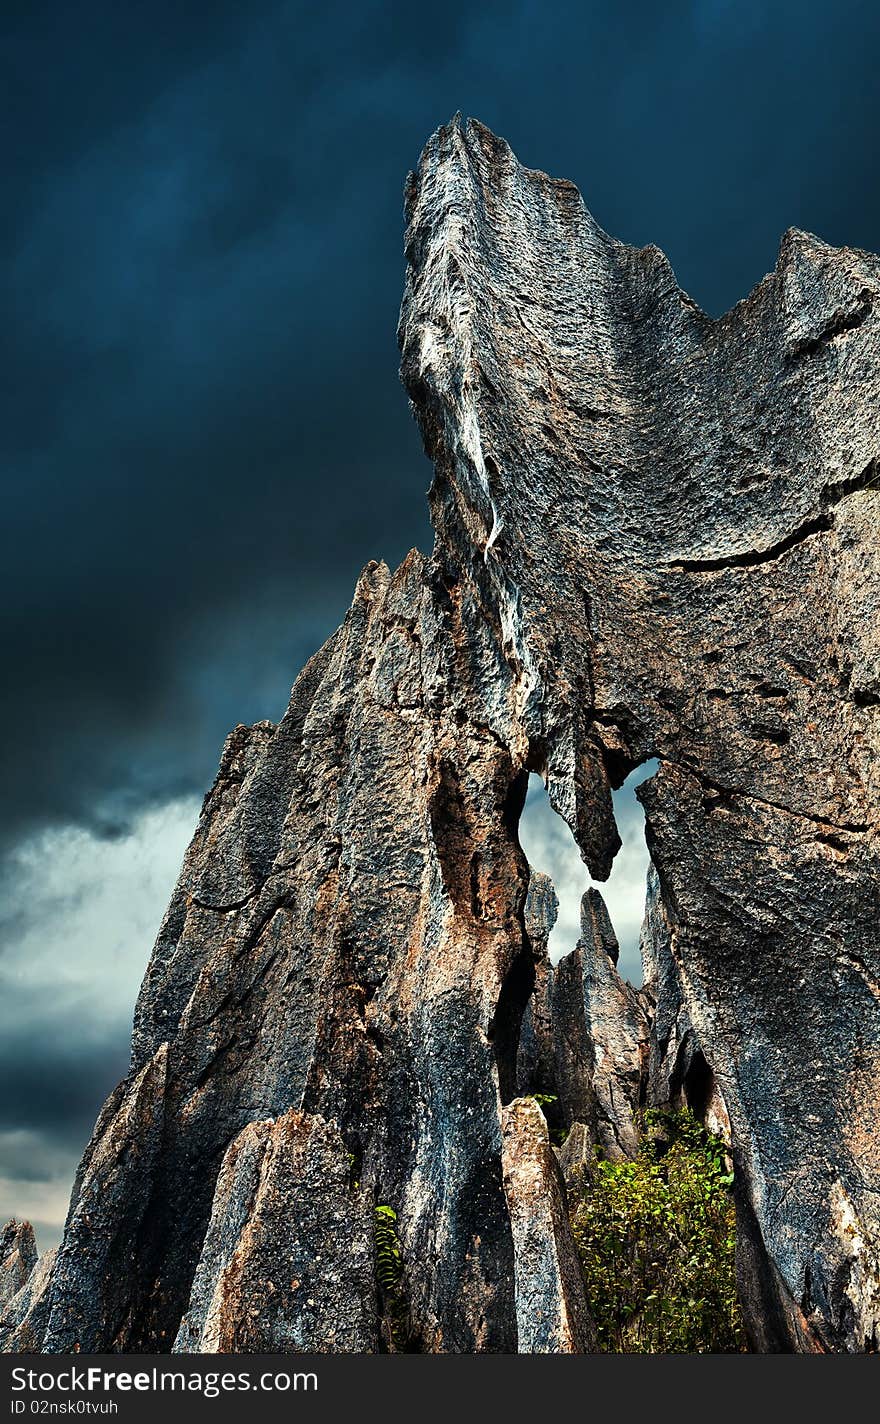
column 98, row 1258
column 18, row 1256
column 551, row 1307
column 541, row 911
column 212, row 1315
column 671, row 1044
column 655, row 537
column 375, row 976
column 535, row 1062
column 600, row 1028
column 577, row 1156
column 676, row 518
column 678, row 1073
column 287, row 1262
column 24, row 1318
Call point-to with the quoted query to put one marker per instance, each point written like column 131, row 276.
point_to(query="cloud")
column 80, row 913
column 550, row 846
column 203, row 424
column 44, row 1198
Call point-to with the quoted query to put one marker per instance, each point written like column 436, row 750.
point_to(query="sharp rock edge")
column 655, row 537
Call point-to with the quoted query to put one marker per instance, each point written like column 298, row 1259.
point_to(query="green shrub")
column 656, row 1239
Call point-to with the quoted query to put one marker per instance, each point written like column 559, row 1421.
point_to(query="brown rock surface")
column 551, row 1307
column 287, row 1262
column 18, row 1256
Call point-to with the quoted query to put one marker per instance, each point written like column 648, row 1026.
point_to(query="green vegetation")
column 656, row 1239
column 546, row 1102
column 389, row 1272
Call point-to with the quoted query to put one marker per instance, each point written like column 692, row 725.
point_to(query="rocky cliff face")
column 18, row 1256
column 655, row 537
column 677, row 519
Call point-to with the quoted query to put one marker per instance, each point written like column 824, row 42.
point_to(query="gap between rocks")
column 549, row 846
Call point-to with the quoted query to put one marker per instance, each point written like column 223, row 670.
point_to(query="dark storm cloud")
column 203, row 434
column 78, row 913
column 205, row 437
column 59, row 1093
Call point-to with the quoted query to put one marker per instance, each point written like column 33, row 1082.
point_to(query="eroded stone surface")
column 18, row 1256
column 551, row 1307
column 677, row 518
column 577, row 1156
column 347, row 940
column 24, row 1317
column 535, row 1064
column 656, row 537
column 99, row 1257
column 287, row 1262
column 600, row 1032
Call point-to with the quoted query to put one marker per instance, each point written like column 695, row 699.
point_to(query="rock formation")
column 600, row 1033
column 655, row 537
column 287, row 1262
column 674, row 519
column 18, row 1256
column 552, row 1314
column 24, row 1317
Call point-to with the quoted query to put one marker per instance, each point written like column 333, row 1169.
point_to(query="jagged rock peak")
column 655, row 537
column 18, row 1256
column 675, row 520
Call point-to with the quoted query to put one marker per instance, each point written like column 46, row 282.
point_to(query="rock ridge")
column 655, row 537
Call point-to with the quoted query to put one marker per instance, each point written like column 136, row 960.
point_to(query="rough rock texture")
column 90, row 1305
column 24, row 1318
column 577, row 1156
column 672, row 1044
column 287, row 1262
column 347, row 939
column 676, row 1073
column 18, row 1256
column 535, row 1062
column 551, row 1306
column 600, row 1029
column 655, row 537
column 676, row 519
column 585, row 1039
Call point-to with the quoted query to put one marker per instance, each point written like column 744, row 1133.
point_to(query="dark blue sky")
column 204, row 437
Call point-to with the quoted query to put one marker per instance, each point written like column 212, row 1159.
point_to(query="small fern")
column 389, row 1264
column 389, row 1273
